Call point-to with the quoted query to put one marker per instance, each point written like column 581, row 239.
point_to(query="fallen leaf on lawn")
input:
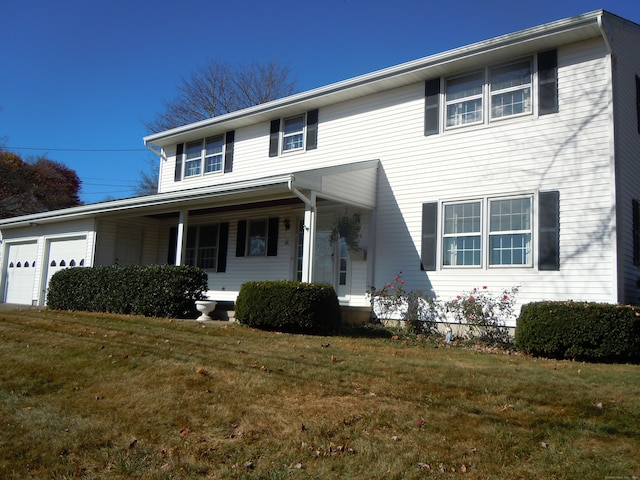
column 424, row 466
column 419, row 423
column 202, row 371
column 184, row 432
column 504, row 408
column 544, row 444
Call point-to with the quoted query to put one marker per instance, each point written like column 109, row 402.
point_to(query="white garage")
column 20, row 274
column 64, row 253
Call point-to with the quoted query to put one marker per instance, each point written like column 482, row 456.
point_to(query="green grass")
column 105, row 396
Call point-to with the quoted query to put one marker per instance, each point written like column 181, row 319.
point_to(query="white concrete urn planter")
column 205, row 307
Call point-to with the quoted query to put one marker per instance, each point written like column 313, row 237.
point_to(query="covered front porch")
column 286, row 227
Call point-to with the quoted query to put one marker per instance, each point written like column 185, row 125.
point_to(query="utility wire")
column 80, row 149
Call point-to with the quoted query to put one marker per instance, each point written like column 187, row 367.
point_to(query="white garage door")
column 21, row 272
column 65, row 253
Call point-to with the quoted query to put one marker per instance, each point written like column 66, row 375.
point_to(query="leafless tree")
column 218, row 88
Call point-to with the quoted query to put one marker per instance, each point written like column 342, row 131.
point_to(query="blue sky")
column 79, row 77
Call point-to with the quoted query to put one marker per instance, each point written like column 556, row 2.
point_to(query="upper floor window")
column 493, row 93
column 464, row 99
column 204, row 155
column 208, row 155
column 510, row 89
column 294, row 133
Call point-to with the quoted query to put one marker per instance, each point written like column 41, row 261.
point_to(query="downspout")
column 617, row 267
column 299, row 194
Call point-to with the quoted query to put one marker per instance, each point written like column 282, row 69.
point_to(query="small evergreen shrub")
column 154, row 291
column 581, row 331
column 288, row 306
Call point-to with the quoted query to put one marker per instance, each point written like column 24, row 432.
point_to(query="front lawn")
column 106, row 396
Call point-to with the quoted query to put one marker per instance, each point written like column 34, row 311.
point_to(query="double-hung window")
column 507, row 232
column 463, row 98
column 204, row 155
column 202, row 246
column 293, row 133
column 462, row 239
column 257, row 238
column 510, row 87
column 495, row 232
column 510, row 231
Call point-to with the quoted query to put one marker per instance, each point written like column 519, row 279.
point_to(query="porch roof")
column 353, row 183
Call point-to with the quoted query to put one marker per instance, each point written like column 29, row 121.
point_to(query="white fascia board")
column 544, row 36
column 149, row 202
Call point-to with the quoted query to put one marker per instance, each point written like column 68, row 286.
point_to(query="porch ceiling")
column 353, row 184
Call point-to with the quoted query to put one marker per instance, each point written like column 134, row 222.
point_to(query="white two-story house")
column 514, row 161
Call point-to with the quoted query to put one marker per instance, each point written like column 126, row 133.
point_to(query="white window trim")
column 485, row 233
column 203, row 158
column 302, row 148
column 487, row 119
column 197, row 248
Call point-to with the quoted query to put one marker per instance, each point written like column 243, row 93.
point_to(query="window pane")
column 462, row 87
column 194, row 149
column 213, row 145
column 295, row 124
column 511, row 103
column 510, row 249
column 512, row 75
column 292, row 142
column 460, row 251
column 257, row 243
column 462, row 218
column 213, row 164
column 509, row 215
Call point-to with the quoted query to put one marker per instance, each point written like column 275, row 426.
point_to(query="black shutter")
column 242, row 238
column 274, row 138
column 548, row 82
column 549, row 231
column 431, row 109
column 312, row 129
column 636, row 231
column 429, row 236
column 223, row 244
column 173, row 244
column 177, row 176
column 228, row 151
column 272, row 237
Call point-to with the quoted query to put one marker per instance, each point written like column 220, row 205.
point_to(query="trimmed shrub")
column 581, row 331
column 288, row 306
column 153, row 291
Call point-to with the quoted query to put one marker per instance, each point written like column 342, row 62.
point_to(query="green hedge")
column 581, row 331
column 286, row 306
column 154, row 291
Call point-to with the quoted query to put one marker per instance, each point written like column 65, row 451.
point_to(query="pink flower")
column 388, row 284
column 471, row 298
column 475, row 289
column 472, row 317
column 396, row 279
column 505, row 296
column 402, row 282
column 484, row 287
column 458, row 297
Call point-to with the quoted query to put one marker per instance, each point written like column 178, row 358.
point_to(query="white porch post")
column 309, row 239
column 181, row 238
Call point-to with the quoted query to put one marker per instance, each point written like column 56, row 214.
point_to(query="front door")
column 331, row 263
